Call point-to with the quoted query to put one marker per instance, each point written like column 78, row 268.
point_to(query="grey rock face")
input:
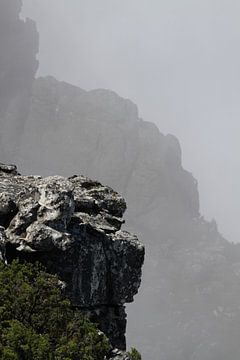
column 102, row 134
column 73, row 227
column 18, row 65
column 187, row 308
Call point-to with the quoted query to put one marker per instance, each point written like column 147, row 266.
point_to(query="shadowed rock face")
column 18, row 65
column 73, row 227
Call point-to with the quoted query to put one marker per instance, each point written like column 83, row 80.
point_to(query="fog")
column 177, row 60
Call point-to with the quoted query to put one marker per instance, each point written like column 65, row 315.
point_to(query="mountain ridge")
column 183, row 250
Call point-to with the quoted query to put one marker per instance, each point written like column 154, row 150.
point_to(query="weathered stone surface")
column 73, row 227
column 92, row 194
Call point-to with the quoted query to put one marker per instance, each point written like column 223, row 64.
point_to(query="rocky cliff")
column 101, row 133
column 72, row 226
column 18, row 65
column 188, row 307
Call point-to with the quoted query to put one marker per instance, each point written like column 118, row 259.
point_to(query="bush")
column 38, row 323
column 134, row 354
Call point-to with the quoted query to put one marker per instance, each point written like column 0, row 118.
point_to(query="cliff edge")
column 73, row 227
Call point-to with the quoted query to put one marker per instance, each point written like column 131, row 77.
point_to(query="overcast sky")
column 179, row 61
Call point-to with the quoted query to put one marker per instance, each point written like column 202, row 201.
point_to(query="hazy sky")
column 179, row 60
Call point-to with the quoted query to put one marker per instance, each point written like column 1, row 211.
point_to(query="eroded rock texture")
column 18, row 65
column 73, row 227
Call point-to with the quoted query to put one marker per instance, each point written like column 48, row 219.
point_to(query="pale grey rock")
column 92, row 193
column 99, row 263
column 40, row 237
column 56, row 202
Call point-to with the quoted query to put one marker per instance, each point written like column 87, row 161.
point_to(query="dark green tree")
column 37, row 321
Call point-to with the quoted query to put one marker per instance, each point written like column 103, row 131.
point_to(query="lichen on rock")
column 73, row 227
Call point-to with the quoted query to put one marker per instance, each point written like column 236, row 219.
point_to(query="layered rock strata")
column 73, row 227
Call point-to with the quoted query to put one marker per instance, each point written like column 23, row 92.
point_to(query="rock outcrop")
column 73, row 227
column 18, row 65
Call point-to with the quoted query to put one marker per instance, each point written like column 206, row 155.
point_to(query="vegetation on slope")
column 37, row 321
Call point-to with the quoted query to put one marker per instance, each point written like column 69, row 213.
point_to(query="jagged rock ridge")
column 73, row 227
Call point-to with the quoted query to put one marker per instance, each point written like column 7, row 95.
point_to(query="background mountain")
column 18, row 65
column 178, row 60
column 188, row 304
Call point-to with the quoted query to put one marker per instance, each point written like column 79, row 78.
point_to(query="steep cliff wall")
column 101, row 134
column 188, row 307
column 18, row 65
column 72, row 226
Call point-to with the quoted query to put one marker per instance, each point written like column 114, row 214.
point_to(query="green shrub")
column 134, row 354
column 38, row 323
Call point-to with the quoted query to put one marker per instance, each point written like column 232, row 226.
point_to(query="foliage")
column 38, row 323
column 134, row 354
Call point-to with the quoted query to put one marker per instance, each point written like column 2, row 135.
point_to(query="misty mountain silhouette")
column 187, row 307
